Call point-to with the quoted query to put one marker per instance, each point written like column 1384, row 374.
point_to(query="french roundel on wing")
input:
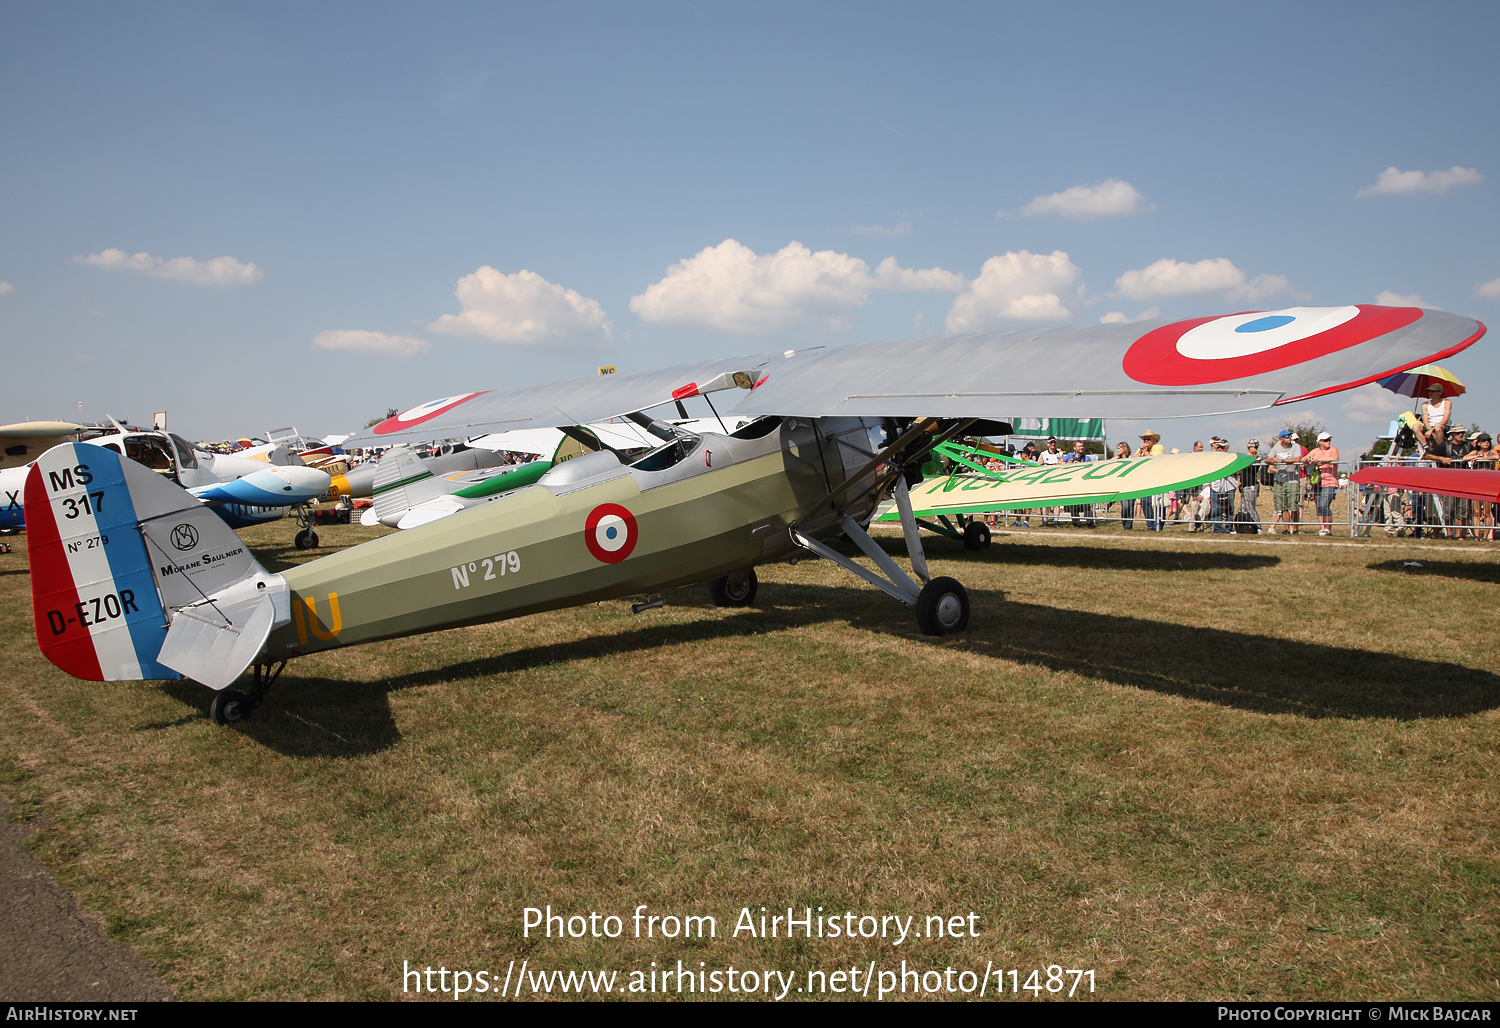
column 610, row 532
column 425, row 412
column 1202, row 351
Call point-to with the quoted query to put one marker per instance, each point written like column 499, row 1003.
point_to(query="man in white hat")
column 1152, row 506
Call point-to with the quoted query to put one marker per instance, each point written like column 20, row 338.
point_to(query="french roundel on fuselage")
column 610, row 532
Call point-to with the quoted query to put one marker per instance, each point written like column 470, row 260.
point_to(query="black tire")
column 229, row 707
column 976, row 536
column 942, row 607
column 306, row 539
column 725, row 595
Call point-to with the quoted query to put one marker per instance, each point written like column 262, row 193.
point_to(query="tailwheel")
column 306, row 539
column 229, row 707
column 976, row 536
column 942, row 607
column 733, row 590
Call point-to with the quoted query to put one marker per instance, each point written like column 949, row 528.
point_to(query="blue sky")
column 390, row 172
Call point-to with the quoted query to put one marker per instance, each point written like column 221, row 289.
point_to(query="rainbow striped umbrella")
column 1416, row 381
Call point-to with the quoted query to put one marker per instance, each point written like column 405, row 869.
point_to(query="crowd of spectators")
column 1297, row 477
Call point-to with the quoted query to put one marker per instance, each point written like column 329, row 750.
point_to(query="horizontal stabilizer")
column 431, row 510
column 215, row 639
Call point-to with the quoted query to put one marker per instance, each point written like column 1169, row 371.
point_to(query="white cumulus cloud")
column 1109, row 199
column 1395, row 181
column 1370, row 403
column 1119, row 318
column 731, row 288
column 523, row 308
column 1018, row 287
column 1386, row 298
column 220, row 271
column 6, row 289
column 354, row 340
column 1168, row 278
column 1489, row 290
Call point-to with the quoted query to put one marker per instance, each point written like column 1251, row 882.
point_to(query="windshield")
column 185, row 456
column 670, row 453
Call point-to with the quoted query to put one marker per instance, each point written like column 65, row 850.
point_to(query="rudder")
column 98, row 614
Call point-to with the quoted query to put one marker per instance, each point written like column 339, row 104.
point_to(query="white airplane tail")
column 133, row 578
column 402, row 480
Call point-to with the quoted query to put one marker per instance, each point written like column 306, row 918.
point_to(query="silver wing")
column 1110, row 371
column 1158, row 369
column 553, row 405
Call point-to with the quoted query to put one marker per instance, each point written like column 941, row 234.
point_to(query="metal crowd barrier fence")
column 1290, row 506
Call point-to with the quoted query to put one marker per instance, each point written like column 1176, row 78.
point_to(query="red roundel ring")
column 426, row 412
column 1202, row 351
column 610, row 532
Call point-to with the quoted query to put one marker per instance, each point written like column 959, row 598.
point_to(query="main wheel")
column 741, row 594
column 976, row 536
column 229, row 707
column 306, row 539
column 942, row 607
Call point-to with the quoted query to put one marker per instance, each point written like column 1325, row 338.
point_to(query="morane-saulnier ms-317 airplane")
column 133, row 579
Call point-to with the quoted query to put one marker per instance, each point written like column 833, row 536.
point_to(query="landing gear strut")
column 942, row 605
column 231, row 706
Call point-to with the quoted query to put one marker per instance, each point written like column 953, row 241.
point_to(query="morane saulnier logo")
column 184, row 537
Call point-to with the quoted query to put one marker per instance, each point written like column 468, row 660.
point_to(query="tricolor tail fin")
column 120, row 556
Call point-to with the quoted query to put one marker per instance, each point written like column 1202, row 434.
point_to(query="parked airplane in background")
column 832, row 434
column 241, row 490
column 409, row 492
column 20, row 444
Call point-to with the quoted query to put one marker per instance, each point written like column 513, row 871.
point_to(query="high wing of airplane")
column 25, row 441
column 835, row 432
column 20, row 444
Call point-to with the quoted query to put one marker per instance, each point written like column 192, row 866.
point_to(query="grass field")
column 1201, row 768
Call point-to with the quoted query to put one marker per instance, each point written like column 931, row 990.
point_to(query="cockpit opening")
column 758, row 429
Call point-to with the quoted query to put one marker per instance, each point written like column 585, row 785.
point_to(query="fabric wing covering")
column 1202, row 366
column 1076, row 482
column 1465, row 483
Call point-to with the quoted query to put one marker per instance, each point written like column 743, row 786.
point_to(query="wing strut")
column 909, row 529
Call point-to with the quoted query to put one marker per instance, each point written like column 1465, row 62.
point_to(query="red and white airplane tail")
column 131, row 576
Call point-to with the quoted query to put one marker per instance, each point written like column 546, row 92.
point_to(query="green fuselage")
column 721, row 508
